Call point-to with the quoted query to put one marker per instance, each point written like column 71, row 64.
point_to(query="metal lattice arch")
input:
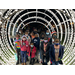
column 62, row 20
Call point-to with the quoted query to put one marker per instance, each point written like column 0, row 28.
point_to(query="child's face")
column 36, row 35
column 26, row 34
column 24, row 39
column 45, row 40
column 31, row 44
column 35, row 30
column 17, row 38
column 42, row 35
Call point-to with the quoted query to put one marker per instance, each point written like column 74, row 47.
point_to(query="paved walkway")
column 12, row 61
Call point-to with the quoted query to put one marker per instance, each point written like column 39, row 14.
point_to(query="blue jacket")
column 36, row 42
column 52, row 52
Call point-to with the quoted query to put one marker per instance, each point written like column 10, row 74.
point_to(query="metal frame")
column 69, row 40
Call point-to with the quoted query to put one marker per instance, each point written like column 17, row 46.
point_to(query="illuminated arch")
column 59, row 17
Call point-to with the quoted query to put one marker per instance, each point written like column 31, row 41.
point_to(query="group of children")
column 24, row 49
column 31, row 45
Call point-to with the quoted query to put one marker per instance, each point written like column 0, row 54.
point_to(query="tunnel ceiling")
column 60, row 20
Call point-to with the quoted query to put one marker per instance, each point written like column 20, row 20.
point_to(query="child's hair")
column 45, row 38
column 31, row 42
column 26, row 32
column 17, row 35
column 56, row 40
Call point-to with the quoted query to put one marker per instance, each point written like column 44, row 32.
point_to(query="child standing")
column 29, row 40
column 28, row 37
column 32, row 51
column 56, row 52
column 44, row 51
column 24, row 46
column 17, row 48
column 36, row 42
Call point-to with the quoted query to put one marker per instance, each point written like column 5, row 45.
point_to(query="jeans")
column 31, row 60
column 23, row 55
column 40, row 54
column 55, row 63
column 19, row 55
column 37, row 54
column 27, row 55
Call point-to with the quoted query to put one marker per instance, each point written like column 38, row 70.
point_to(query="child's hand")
column 59, row 59
column 26, row 45
column 44, row 54
column 27, row 53
column 15, row 51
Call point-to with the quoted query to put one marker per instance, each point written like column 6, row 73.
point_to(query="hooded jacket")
column 25, row 46
column 33, row 52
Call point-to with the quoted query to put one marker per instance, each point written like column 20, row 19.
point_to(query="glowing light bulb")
column 0, row 13
column 16, row 9
column 0, row 22
column 6, row 16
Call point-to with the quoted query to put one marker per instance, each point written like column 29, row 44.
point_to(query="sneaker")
column 40, row 61
column 24, row 63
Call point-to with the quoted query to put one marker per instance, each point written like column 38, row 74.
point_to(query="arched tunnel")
column 60, row 20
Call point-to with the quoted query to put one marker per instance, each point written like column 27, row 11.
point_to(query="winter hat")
column 23, row 36
column 54, row 32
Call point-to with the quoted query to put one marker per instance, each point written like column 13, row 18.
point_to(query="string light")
column 67, row 22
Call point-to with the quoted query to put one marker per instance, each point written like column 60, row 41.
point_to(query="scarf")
column 45, row 45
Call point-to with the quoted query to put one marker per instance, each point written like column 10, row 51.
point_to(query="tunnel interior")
column 59, row 20
column 37, row 26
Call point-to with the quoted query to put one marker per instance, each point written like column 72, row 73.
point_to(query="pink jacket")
column 33, row 52
column 24, row 47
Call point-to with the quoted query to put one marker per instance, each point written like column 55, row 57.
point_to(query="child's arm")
column 20, row 44
column 15, row 48
column 27, row 44
column 34, row 50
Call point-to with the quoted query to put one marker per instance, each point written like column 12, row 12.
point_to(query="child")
column 56, row 52
column 29, row 40
column 17, row 48
column 32, row 51
column 41, row 40
column 28, row 37
column 48, row 35
column 44, row 50
column 24, row 46
column 36, row 42
column 32, row 35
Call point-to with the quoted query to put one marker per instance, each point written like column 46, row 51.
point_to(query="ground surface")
column 12, row 61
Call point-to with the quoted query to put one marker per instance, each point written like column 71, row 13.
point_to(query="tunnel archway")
column 33, row 25
column 57, row 20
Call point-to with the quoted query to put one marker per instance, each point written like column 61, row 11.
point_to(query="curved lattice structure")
column 62, row 21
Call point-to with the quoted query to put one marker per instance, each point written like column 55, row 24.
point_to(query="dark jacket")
column 47, row 50
column 52, row 52
column 36, row 42
column 42, row 49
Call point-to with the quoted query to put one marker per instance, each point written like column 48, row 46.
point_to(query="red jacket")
column 24, row 47
column 33, row 52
